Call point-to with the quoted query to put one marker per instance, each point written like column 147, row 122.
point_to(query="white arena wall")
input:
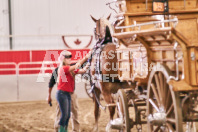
column 26, row 78
column 28, row 88
column 39, row 24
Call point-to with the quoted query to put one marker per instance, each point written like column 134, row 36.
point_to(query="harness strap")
column 100, row 44
column 97, row 100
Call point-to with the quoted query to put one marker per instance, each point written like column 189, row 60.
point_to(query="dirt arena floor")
column 38, row 116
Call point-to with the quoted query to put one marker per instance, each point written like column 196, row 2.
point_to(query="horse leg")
column 97, row 109
column 109, row 99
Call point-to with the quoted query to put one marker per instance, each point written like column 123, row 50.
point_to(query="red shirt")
column 66, row 80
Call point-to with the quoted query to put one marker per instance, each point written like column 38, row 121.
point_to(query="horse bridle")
column 97, row 34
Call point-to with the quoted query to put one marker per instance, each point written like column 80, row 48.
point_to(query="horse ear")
column 93, row 18
column 109, row 16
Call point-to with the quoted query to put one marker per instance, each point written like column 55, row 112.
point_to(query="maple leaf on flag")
column 77, row 42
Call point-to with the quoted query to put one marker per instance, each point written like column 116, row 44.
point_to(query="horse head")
column 103, row 28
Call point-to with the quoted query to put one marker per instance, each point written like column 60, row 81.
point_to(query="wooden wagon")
column 158, row 49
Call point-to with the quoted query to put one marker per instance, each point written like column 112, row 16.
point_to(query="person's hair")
column 61, row 60
column 62, row 57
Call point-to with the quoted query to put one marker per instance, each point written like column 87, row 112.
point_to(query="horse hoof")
column 108, row 127
column 95, row 129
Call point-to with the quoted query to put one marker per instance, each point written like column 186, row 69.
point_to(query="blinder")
column 67, row 56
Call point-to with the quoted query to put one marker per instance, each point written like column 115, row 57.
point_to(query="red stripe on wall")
column 37, row 55
column 52, row 55
column 49, row 55
column 14, row 56
column 7, row 72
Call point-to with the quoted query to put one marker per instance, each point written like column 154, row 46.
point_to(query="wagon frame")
column 167, row 85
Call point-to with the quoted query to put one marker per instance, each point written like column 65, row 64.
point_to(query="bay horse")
column 104, row 68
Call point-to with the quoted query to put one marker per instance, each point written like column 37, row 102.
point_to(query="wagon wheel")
column 192, row 127
column 195, row 126
column 122, row 110
column 137, row 113
column 163, row 104
column 87, row 89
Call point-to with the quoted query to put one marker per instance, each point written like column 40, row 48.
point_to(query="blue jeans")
column 64, row 101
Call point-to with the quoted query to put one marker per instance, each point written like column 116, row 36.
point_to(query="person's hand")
column 49, row 100
column 86, row 67
column 88, row 54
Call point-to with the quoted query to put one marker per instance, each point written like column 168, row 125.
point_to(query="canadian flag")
column 77, row 41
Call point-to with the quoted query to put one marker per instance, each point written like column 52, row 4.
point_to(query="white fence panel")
column 80, row 87
column 8, row 89
column 30, row 89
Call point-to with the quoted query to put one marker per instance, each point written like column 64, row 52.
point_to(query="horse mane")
column 108, row 37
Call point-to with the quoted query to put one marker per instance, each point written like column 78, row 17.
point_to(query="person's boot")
column 66, row 129
column 61, row 129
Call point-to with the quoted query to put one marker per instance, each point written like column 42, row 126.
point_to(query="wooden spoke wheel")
column 195, row 126
column 192, row 127
column 137, row 113
column 87, row 89
column 122, row 110
column 163, row 104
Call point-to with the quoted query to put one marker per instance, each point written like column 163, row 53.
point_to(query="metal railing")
column 22, row 66
column 17, row 68
column 8, row 68
column 42, row 66
column 174, row 20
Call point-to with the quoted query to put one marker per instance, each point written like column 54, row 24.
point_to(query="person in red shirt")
column 74, row 105
column 65, row 87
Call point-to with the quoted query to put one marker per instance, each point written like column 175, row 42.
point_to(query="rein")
column 97, row 34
